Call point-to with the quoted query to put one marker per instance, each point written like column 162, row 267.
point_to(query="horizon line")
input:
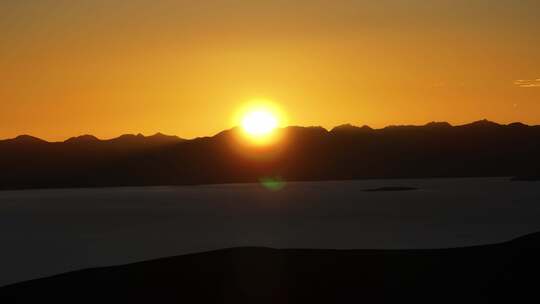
column 279, row 128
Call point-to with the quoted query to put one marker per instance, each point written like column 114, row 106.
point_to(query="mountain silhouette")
column 82, row 139
column 351, row 128
column 24, row 139
column 437, row 149
column 498, row 273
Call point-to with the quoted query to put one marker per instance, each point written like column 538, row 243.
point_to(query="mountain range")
column 437, row 149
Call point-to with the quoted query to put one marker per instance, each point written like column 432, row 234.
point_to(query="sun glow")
column 259, row 121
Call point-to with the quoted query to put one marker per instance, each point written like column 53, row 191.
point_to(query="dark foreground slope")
column 508, row 272
column 482, row 148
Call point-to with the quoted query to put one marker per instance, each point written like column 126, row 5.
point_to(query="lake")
column 46, row 232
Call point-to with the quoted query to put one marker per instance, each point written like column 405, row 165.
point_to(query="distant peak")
column 517, row 125
column 350, row 128
column 128, row 136
column 399, row 127
column 484, row 123
column 307, row 128
column 317, row 129
column 27, row 139
column 163, row 138
column 82, row 139
column 159, row 134
column 438, row 124
column 156, row 138
column 224, row 133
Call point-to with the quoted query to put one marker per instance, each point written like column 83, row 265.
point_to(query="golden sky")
column 184, row 67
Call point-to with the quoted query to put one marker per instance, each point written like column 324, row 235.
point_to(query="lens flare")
column 272, row 183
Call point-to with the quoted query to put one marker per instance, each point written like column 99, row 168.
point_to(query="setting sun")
column 259, row 123
column 259, row 120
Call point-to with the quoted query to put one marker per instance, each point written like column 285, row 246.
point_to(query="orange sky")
column 185, row 67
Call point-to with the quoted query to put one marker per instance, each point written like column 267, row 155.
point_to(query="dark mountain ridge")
column 86, row 138
column 436, row 149
column 499, row 273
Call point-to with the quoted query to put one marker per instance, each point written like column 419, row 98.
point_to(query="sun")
column 258, row 123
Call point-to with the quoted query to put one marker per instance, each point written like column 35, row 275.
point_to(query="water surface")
column 45, row 232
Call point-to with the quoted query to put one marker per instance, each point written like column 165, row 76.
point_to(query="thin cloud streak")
column 526, row 83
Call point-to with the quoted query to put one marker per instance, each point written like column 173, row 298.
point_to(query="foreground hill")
column 481, row 148
column 505, row 272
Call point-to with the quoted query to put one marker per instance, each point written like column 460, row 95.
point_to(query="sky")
column 107, row 68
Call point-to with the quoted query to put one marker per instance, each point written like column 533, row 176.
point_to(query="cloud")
column 527, row 83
